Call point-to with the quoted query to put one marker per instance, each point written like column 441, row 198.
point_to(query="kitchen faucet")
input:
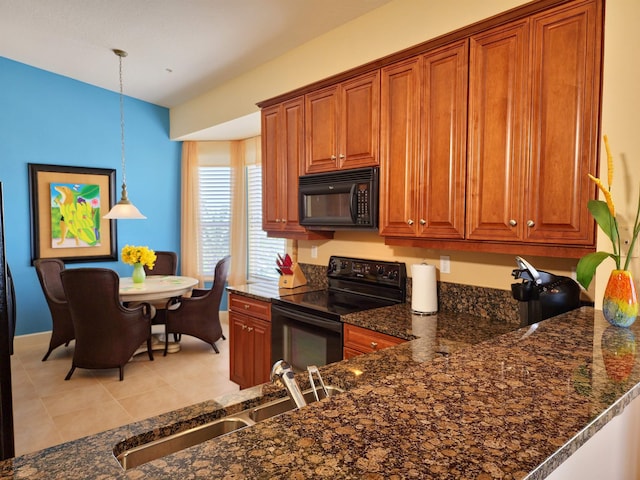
column 282, row 371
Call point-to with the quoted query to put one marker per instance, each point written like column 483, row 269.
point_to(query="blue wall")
column 51, row 119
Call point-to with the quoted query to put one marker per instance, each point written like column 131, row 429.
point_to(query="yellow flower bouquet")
column 143, row 255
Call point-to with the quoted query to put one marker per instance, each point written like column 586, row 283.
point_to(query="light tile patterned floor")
column 49, row 410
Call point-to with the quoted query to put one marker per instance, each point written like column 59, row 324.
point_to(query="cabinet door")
column 498, row 112
column 399, row 147
column 282, row 154
column 359, row 122
column 442, row 171
column 321, row 130
column 272, row 176
column 564, row 132
column 241, row 357
column 292, row 158
column 262, row 351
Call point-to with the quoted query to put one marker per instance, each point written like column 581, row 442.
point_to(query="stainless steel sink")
column 278, row 407
column 144, row 453
column 161, row 447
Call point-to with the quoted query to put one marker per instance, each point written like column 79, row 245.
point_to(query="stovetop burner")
column 354, row 285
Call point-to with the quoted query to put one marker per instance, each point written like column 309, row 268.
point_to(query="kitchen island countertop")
column 515, row 405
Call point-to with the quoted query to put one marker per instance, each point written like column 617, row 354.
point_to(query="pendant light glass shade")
column 124, row 209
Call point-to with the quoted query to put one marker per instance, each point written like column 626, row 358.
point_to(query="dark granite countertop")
column 515, row 405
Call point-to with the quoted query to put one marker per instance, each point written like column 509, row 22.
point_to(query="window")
column 261, row 256
column 215, row 222
column 215, row 215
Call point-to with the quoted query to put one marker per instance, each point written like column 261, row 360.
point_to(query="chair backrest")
column 48, row 270
column 166, row 264
column 107, row 333
column 103, row 326
column 221, row 273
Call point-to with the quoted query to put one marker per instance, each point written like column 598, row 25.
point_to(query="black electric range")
column 306, row 327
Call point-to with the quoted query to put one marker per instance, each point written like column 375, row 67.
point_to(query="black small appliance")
column 541, row 294
column 342, row 200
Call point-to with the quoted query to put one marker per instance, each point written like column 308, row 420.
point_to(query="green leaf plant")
column 604, row 212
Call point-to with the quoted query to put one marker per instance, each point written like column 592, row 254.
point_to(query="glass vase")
column 138, row 275
column 620, row 303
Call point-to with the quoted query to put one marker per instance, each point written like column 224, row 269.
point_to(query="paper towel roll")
column 424, row 296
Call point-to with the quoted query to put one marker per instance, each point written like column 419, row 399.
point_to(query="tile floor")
column 49, row 410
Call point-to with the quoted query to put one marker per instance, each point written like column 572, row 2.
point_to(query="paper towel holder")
column 429, row 305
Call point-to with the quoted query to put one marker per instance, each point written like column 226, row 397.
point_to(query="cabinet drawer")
column 367, row 341
column 250, row 306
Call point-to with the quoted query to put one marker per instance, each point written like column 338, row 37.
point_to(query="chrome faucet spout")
column 283, row 372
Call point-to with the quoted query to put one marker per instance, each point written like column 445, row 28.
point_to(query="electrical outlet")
column 314, row 251
column 626, row 232
column 445, row 264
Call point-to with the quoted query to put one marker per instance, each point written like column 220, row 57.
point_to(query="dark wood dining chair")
column 199, row 315
column 48, row 270
column 166, row 264
column 107, row 332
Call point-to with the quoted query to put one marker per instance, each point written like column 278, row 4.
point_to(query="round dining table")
column 156, row 289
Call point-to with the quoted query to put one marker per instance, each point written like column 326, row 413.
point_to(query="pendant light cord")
column 124, row 168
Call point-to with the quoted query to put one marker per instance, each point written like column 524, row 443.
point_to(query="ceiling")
column 177, row 49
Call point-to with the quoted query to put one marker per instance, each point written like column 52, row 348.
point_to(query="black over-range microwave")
column 342, row 200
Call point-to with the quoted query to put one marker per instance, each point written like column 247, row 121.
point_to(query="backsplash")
column 488, row 303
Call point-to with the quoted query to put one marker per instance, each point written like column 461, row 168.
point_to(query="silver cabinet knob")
column 277, row 220
column 410, row 222
column 341, row 156
column 512, row 222
column 423, row 221
column 333, row 157
column 531, row 223
column 284, row 220
column 374, row 345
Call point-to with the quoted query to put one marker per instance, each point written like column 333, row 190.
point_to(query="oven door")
column 302, row 338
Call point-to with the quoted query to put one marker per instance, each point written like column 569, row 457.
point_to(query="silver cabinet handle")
column 531, row 223
column 423, row 221
column 374, row 345
column 512, row 222
column 410, row 222
column 341, row 156
column 247, row 307
column 284, row 220
column 277, row 220
column 249, row 329
column 333, row 157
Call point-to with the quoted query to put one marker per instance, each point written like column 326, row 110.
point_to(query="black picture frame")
column 86, row 194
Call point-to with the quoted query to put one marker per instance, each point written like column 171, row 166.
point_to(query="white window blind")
column 215, row 215
column 261, row 258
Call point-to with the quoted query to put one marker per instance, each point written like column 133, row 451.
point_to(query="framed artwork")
column 67, row 205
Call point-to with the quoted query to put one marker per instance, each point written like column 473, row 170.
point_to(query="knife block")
column 296, row 279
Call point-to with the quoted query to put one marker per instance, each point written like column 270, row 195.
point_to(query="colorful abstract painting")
column 75, row 215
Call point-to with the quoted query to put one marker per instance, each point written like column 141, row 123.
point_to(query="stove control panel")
column 368, row 271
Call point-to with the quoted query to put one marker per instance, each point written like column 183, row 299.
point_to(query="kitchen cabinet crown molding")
column 507, row 16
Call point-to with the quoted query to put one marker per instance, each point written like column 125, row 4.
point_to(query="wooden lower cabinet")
column 250, row 340
column 358, row 341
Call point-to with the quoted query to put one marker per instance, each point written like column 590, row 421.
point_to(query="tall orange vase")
column 620, row 303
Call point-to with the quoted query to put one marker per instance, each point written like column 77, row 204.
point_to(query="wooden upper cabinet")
column 282, row 152
column 423, row 145
column 342, row 125
column 533, row 111
column 564, row 135
column 282, row 155
column 498, row 112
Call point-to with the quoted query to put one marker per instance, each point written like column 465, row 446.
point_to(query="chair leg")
column 223, row 337
column 121, row 368
column 47, row 354
column 73, row 367
column 149, row 349
column 215, row 348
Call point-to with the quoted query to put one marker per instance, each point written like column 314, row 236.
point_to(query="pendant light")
column 124, row 208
